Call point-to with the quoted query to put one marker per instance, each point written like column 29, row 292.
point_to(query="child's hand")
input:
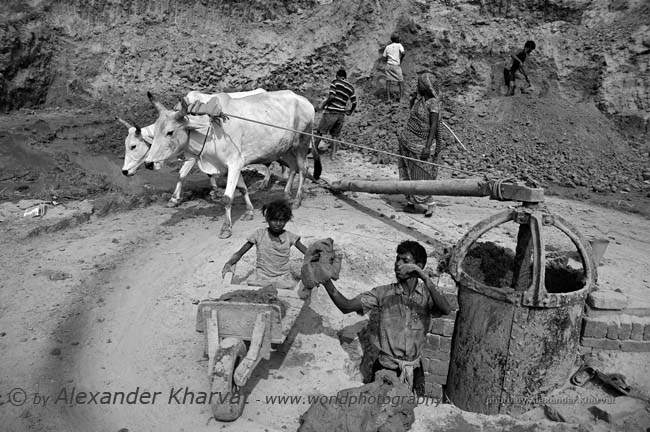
column 227, row 268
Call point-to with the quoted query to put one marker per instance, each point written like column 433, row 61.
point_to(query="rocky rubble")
column 582, row 128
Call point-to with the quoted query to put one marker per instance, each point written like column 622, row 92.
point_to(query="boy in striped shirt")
column 335, row 109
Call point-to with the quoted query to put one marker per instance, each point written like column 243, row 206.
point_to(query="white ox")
column 138, row 141
column 234, row 143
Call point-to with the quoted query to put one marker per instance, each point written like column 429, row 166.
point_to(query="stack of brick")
column 611, row 331
column 609, row 326
column 437, row 348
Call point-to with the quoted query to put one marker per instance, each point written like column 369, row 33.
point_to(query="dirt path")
column 108, row 306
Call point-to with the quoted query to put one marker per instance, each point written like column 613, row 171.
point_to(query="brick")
column 582, row 350
column 435, row 379
column 595, row 327
column 441, row 355
column 433, row 390
column 432, row 342
column 635, row 346
column 612, row 329
column 620, row 412
column 638, row 326
column 445, row 344
column 607, row 344
column 624, row 327
column 442, row 326
column 437, row 367
column 438, row 355
column 646, row 333
column 611, row 300
column 428, row 353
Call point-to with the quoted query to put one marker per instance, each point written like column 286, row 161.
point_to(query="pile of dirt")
column 265, row 295
column 490, row 264
column 493, row 265
column 380, row 406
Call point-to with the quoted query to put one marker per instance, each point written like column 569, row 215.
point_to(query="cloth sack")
column 320, row 264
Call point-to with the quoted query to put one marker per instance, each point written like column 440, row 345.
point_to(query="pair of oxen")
column 223, row 133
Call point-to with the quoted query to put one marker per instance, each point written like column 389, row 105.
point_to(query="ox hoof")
column 247, row 216
column 225, row 233
column 173, row 203
column 296, row 204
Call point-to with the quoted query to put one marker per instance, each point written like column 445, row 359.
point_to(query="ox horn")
column 138, row 131
column 183, row 111
column 124, row 122
column 155, row 102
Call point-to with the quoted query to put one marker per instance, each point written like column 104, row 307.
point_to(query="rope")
column 353, row 145
column 495, row 188
column 204, row 140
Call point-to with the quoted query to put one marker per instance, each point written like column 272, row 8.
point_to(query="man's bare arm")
column 344, row 304
column 517, row 59
column 438, row 298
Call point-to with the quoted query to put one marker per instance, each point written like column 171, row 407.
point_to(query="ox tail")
column 318, row 168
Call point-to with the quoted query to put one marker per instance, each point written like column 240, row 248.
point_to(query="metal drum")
column 513, row 345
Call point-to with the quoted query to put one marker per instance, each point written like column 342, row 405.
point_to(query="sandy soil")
column 109, row 305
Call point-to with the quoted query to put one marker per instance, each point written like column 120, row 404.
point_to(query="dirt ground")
column 100, row 294
column 109, row 303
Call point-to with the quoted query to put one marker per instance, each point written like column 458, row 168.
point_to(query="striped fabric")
column 342, row 91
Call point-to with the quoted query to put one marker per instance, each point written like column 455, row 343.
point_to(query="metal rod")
column 452, row 132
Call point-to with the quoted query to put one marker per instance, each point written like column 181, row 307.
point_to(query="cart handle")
column 227, row 278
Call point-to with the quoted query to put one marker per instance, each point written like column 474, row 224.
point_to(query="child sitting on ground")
column 273, row 246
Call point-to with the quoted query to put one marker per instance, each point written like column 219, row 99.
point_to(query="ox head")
column 171, row 132
column 136, row 147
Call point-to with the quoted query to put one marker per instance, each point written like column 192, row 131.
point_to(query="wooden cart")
column 226, row 326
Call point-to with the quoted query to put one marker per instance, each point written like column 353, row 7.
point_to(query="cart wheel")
column 228, row 399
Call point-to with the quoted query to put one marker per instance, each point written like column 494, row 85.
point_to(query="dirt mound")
column 493, row 265
column 266, row 295
column 582, row 132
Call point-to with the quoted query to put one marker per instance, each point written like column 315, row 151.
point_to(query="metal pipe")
column 475, row 187
column 459, row 187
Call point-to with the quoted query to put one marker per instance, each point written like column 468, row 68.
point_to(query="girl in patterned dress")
column 273, row 245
